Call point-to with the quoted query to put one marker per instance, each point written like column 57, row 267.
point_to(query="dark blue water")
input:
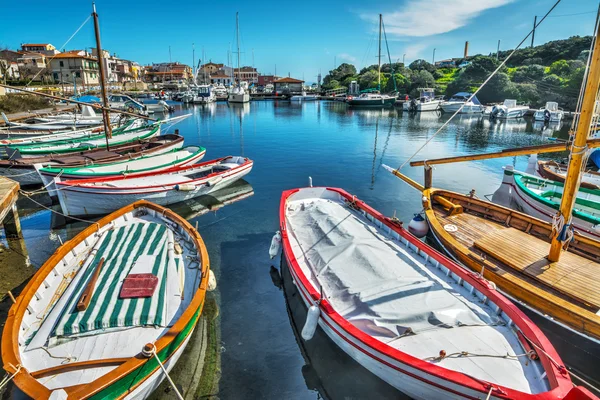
column 260, row 356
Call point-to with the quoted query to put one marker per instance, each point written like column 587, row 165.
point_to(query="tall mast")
column 194, row 62
column 379, row 58
column 105, row 114
column 578, row 149
column 237, row 33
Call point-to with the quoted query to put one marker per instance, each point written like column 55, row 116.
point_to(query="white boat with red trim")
column 408, row 314
column 100, row 196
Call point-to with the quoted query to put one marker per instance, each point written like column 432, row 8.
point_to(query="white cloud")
column 347, row 57
column 414, row 51
column 432, row 17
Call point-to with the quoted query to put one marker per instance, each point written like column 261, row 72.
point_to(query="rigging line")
column 479, row 88
column 389, row 56
column 62, row 47
column 570, row 15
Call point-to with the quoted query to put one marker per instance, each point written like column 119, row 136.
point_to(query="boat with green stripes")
column 82, row 144
column 107, row 307
column 144, row 163
column 541, row 198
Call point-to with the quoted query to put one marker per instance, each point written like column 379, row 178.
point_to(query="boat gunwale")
column 10, row 336
column 558, row 379
column 68, row 171
column 544, row 168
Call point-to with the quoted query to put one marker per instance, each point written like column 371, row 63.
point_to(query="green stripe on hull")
column 124, row 385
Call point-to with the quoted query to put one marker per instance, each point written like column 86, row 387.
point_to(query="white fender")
column 185, row 187
column 503, row 195
column 310, row 326
column 275, row 245
column 212, row 281
column 418, row 226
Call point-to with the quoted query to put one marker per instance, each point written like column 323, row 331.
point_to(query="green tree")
column 368, row 80
column 419, row 65
column 560, row 68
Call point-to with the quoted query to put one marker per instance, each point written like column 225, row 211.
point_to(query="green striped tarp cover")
column 120, row 247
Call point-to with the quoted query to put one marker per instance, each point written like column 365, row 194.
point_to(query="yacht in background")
column 204, row 95
column 549, row 113
column 240, row 92
column 427, row 101
column 304, row 97
column 461, row 100
column 508, row 110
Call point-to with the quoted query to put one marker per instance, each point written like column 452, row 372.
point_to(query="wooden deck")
column 573, row 275
column 9, row 191
column 516, row 252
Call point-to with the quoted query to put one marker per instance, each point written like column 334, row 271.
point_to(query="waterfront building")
column 171, row 71
column 264, row 80
column 42, row 48
column 288, row 86
column 221, row 79
column 75, row 65
column 247, row 74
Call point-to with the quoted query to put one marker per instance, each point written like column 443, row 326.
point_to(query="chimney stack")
column 466, row 49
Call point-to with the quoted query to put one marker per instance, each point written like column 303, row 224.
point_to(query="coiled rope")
column 7, row 378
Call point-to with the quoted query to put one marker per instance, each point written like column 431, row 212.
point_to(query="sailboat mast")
column 578, row 149
column 237, row 34
column 105, row 114
column 194, row 62
column 379, row 58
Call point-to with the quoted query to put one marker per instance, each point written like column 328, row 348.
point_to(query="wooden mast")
column 379, row 58
column 105, row 114
column 578, row 148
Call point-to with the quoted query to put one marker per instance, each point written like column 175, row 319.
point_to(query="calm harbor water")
column 255, row 321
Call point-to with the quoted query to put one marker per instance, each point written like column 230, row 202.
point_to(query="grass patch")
column 448, row 76
column 13, row 103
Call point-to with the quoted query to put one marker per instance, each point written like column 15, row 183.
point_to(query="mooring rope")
column 7, row 378
column 152, row 352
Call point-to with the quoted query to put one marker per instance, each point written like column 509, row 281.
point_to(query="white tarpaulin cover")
column 389, row 291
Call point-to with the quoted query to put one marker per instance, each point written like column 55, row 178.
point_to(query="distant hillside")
column 549, row 72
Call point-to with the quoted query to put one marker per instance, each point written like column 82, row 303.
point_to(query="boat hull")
column 555, row 116
column 467, row 109
column 79, row 201
column 47, row 178
column 357, row 102
column 580, row 353
column 238, row 98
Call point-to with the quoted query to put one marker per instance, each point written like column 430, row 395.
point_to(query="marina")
column 315, row 253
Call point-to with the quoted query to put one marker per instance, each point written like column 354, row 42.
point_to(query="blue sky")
column 300, row 38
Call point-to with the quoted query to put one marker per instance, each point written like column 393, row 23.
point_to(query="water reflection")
column 328, row 369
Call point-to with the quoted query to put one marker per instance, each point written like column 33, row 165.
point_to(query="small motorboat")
column 103, row 195
column 558, row 172
column 204, row 95
column 371, row 100
column 461, row 100
column 97, row 318
column 408, row 314
column 23, row 170
column 549, row 113
column 507, row 110
column 304, row 97
column 427, row 101
column 131, row 165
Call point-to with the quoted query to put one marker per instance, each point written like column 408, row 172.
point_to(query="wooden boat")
column 59, row 345
column 509, row 248
column 557, row 172
column 541, row 198
column 25, row 136
column 81, row 144
column 413, row 317
column 23, row 170
column 103, row 195
column 131, row 165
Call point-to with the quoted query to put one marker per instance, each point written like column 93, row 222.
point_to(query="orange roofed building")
column 288, row 86
column 76, row 65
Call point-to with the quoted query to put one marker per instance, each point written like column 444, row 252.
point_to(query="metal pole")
column 379, row 58
column 105, row 114
column 433, row 59
column 403, row 57
column 578, row 149
column 533, row 33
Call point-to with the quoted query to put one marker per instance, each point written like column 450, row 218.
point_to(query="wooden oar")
column 86, row 296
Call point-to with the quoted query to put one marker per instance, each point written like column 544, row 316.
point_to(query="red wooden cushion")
column 138, row 285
